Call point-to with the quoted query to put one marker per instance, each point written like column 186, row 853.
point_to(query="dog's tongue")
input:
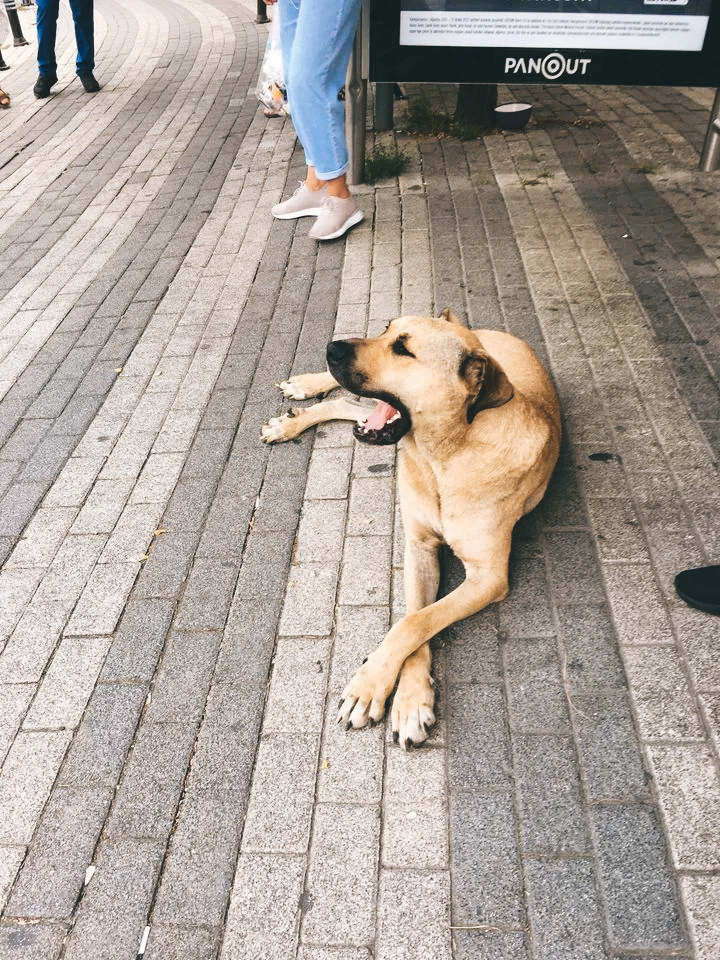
column 382, row 413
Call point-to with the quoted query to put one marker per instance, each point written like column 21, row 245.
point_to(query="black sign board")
column 646, row 42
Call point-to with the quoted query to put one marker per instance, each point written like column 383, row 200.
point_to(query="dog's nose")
column 338, row 351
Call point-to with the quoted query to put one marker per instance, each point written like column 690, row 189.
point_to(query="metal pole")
column 384, row 103
column 710, row 156
column 262, row 16
column 356, row 104
column 14, row 19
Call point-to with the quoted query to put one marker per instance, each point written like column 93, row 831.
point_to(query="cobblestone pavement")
column 180, row 605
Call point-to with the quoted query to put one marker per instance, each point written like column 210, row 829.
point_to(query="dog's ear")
column 488, row 386
column 448, row 315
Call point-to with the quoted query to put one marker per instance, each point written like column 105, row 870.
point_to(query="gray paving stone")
column 103, row 599
column 66, row 687
column 365, row 577
column 688, row 785
column 574, row 568
column 591, row 657
column 170, row 942
column 264, row 909
column 280, row 810
column 664, row 707
column 183, row 679
column 341, row 878
column 478, row 741
column 565, row 910
column 62, row 849
column 320, row 534
column 536, row 697
column 526, row 612
column 114, row 909
column 487, row 880
column 198, row 872
column 610, row 757
column 207, row 595
column 637, row 883
column 137, row 643
column 14, row 700
column 296, row 696
column 28, row 775
column 227, row 740
column 310, row 600
column 351, row 764
column 19, row 941
column 403, row 932
column 550, row 798
column 490, row 944
column 101, row 742
column 152, row 781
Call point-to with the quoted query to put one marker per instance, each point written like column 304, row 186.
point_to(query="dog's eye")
column 399, row 347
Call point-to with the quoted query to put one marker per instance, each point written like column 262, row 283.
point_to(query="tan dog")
column 480, row 428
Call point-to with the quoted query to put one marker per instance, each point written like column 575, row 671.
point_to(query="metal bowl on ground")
column 512, row 116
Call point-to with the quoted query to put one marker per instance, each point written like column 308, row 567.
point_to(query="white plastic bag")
column 270, row 88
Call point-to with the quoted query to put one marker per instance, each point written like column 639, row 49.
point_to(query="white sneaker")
column 303, row 203
column 338, row 214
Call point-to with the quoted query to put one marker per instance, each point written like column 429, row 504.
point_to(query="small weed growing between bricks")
column 592, row 166
column 422, row 120
column 645, row 168
column 381, row 163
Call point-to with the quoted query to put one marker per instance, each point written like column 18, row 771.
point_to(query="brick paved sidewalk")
column 180, row 605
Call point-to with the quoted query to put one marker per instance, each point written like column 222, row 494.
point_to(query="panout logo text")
column 552, row 67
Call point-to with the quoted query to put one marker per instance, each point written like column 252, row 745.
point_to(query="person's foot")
column 87, row 79
column 303, row 203
column 338, row 214
column 700, row 588
column 43, row 84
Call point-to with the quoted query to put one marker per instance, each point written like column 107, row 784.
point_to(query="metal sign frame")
column 392, row 61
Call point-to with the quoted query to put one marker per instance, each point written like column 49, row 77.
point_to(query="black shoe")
column 43, row 84
column 89, row 82
column 700, row 588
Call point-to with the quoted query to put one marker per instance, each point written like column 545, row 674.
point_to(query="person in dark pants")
column 47, row 17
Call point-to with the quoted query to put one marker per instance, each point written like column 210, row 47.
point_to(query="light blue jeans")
column 317, row 38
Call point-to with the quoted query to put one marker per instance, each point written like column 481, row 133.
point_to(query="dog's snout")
column 338, row 351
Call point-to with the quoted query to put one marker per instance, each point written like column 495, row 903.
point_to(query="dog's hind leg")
column 293, row 423
column 307, row 385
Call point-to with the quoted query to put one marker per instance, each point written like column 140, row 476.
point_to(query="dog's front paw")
column 412, row 711
column 363, row 699
column 281, row 428
column 303, row 386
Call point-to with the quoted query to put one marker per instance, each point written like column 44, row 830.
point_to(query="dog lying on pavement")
column 480, row 427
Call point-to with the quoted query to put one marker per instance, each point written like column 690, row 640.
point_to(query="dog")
column 478, row 423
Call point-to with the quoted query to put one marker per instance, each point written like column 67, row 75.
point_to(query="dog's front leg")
column 365, row 696
column 292, row 424
column 412, row 709
column 303, row 386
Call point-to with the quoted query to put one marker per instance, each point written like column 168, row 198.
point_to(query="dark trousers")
column 47, row 17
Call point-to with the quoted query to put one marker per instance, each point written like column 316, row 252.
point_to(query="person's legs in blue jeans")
column 317, row 40
column 47, row 16
column 82, row 11
column 316, row 70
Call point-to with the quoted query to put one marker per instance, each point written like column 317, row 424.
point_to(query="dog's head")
column 421, row 370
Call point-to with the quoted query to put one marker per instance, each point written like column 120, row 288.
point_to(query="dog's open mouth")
column 385, row 425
